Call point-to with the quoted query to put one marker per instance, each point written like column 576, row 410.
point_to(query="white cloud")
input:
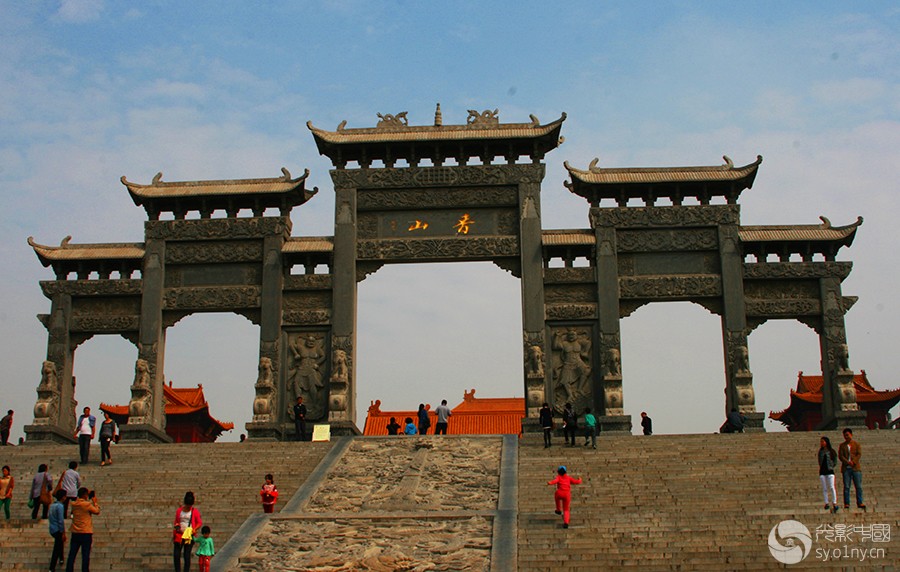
column 80, row 11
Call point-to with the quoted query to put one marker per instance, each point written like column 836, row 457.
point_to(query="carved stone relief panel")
column 306, row 317
column 669, row 287
column 774, row 270
column 308, row 300
column 456, row 176
column 90, row 288
column 306, row 371
column 781, row 289
column 572, row 365
column 106, row 306
column 569, row 275
column 458, row 197
column 782, row 308
column 570, row 294
column 218, row 252
column 630, row 217
column 105, row 324
column 218, row 229
column 571, row 311
column 212, row 298
column 667, row 240
column 213, row 275
column 308, row 282
column 438, row 248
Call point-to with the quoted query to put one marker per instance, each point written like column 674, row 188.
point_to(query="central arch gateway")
column 468, row 192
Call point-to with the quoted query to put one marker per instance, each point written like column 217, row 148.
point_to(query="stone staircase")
column 669, row 502
column 696, row 502
column 140, row 491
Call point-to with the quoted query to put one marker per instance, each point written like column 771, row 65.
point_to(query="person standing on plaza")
column 850, row 452
column 646, row 423
column 424, row 420
column 5, row 427
column 570, row 424
column 57, row 526
column 41, row 486
column 269, row 494
column 84, row 432
column 546, row 419
column 70, row 481
column 827, row 460
column 563, row 494
column 205, row 549
column 7, row 484
column 590, row 428
column 83, row 511
column 107, row 436
column 187, row 521
column 299, row 420
column 443, row 415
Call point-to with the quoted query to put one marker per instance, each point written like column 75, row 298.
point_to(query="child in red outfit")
column 563, row 494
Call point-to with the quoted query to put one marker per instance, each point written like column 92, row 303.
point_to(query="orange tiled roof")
column 473, row 416
column 179, row 401
column 809, row 390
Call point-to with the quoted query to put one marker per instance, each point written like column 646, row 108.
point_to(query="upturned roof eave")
column 67, row 252
column 160, row 190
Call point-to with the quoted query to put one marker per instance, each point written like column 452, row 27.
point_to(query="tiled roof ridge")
column 159, row 183
column 729, row 167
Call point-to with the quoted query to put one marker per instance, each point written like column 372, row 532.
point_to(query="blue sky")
column 95, row 90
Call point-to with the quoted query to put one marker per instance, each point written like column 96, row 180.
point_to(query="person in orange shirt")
column 563, row 494
column 83, row 510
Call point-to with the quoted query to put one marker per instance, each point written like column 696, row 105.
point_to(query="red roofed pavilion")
column 474, row 416
column 805, row 411
column 187, row 415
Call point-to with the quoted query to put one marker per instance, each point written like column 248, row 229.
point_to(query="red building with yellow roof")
column 187, row 415
column 474, row 416
column 805, row 410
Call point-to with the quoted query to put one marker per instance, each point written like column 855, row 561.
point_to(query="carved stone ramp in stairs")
column 393, row 503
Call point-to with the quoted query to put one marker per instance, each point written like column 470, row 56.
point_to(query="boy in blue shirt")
column 57, row 520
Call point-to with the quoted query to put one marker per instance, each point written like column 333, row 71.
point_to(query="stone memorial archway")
column 467, row 192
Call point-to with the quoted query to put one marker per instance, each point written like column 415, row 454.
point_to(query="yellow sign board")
column 321, row 432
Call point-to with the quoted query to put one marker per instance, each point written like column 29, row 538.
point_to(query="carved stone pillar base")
column 267, row 431
column 531, row 425
column 843, row 419
column 754, row 422
column 138, row 432
column 341, row 428
column 47, row 434
column 614, row 423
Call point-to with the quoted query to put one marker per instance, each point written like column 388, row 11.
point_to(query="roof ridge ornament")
column 389, row 121
column 729, row 164
column 826, row 224
column 486, row 118
column 438, row 116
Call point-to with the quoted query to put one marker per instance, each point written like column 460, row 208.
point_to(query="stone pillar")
column 342, row 374
column 271, row 403
column 54, row 411
column 609, row 398
column 839, row 407
column 531, row 259
column 151, row 425
column 738, row 378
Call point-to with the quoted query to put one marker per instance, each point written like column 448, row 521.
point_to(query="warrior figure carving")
column 573, row 372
